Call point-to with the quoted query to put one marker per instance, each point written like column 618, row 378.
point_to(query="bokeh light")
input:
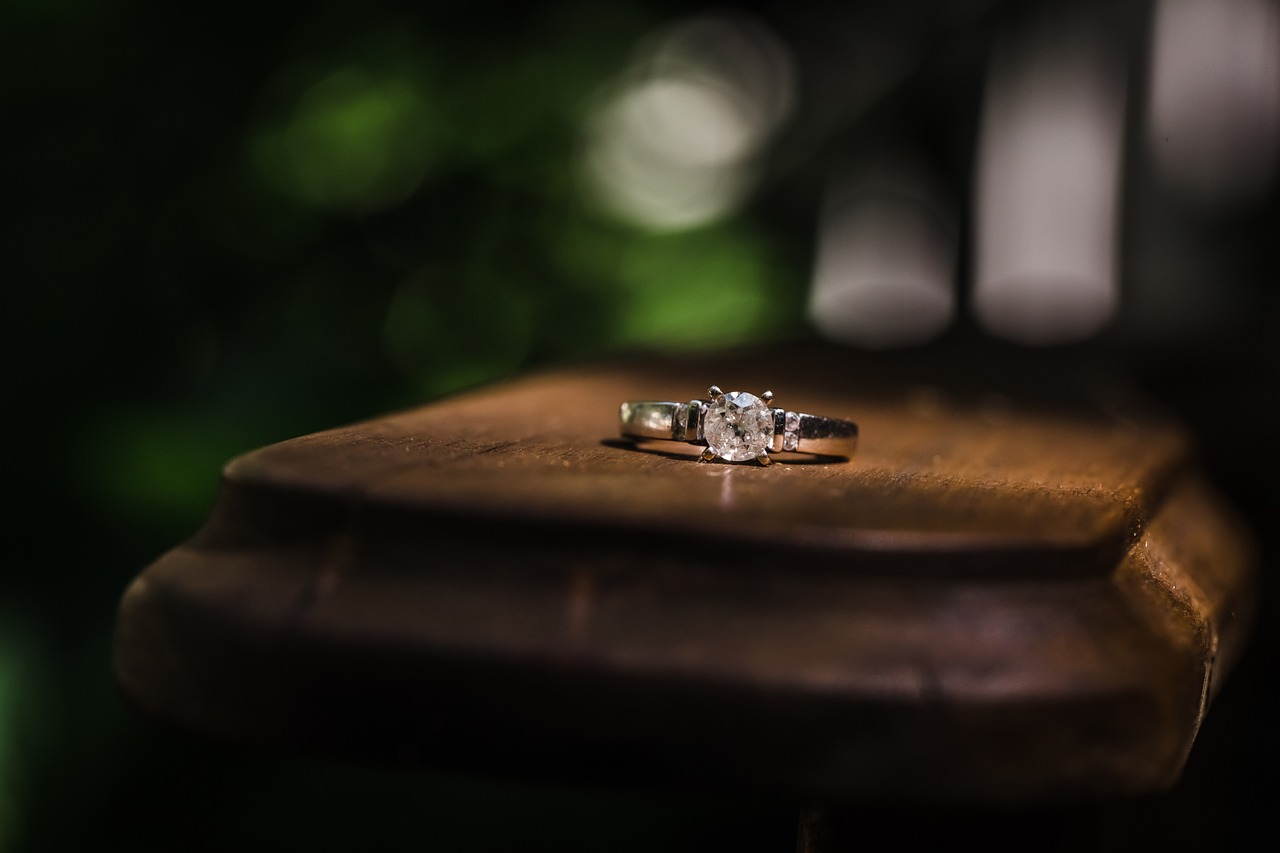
column 674, row 141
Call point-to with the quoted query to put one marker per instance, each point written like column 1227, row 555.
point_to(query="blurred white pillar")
column 886, row 260
column 1213, row 119
column 1048, row 186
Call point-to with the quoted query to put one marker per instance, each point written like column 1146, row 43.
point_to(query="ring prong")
column 707, row 455
column 767, row 396
column 763, row 458
column 714, row 391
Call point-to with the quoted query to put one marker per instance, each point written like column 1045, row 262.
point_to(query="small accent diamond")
column 789, row 441
column 680, row 421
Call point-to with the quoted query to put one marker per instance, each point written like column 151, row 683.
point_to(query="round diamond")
column 738, row 426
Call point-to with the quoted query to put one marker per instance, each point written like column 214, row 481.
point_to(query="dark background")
column 179, row 289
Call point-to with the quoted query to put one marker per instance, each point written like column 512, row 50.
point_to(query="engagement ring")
column 738, row 426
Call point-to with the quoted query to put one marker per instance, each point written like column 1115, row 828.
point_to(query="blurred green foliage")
column 225, row 227
column 353, row 142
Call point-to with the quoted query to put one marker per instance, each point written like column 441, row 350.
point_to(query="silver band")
column 793, row 431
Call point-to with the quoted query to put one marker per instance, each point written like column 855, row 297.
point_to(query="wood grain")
column 1018, row 590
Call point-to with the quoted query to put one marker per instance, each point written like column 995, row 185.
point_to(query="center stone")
column 738, row 426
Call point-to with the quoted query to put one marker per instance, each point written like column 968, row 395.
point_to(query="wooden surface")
column 1018, row 590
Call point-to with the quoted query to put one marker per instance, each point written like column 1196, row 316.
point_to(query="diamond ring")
column 737, row 426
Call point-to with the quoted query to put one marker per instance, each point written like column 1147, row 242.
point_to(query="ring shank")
column 647, row 419
column 667, row 421
column 826, row 436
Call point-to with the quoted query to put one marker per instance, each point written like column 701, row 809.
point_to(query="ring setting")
column 737, row 427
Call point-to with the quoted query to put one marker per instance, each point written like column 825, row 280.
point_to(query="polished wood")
column 1018, row 589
